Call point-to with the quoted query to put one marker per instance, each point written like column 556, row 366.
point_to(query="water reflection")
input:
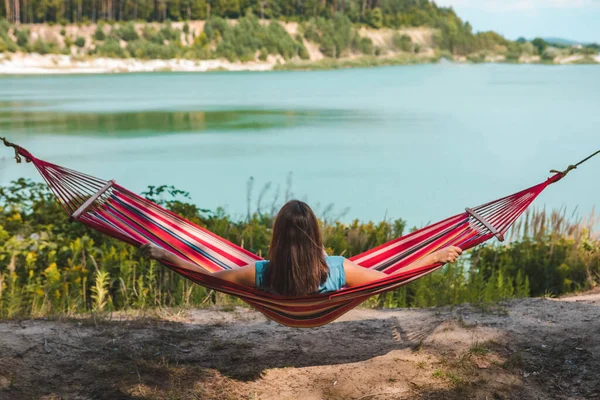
column 21, row 117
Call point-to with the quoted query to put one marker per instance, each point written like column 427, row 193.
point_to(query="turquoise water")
column 418, row 142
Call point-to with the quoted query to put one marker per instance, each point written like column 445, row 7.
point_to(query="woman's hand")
column 153, row 252
column 447, row 254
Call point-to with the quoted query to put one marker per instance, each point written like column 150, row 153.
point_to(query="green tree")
column 540, row 45
column 375, row 18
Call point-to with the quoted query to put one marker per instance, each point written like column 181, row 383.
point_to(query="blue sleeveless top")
column 336, row 279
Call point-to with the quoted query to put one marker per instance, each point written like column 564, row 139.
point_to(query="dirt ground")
column 523, row 349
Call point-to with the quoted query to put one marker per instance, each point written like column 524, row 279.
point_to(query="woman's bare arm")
column 242, row 276
column 357, row 275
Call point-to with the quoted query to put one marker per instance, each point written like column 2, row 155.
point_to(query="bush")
column 111, row 48
column 151, row 34
column 148, row 50
column 402, row 42
column 169, row 33
column 80, row 42
column 278, row 41
column 23, row 38
column 364, row 45
column 99, row 34
column 199, row 48
column 3, row 45
column 302, row 52
column 165, row 33
column 4, row 27
column 334, row 36
column 311, row 33
column 127, row 32
column 528, row 48
column 6, row 44
column 375, row 18
column 550, row 53
column 248, row 37
column 264, row 53
column 42, row 47
column 215, row 28
column 540, row 45
column 476, row 58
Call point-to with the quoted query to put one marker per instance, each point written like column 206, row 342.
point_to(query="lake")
column 415, row 142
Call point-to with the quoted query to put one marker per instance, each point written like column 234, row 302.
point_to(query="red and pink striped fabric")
column 129, row 217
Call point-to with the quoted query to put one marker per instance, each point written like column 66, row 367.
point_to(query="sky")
column 577, row 20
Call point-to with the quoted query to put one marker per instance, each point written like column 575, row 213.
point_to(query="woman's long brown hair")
column 297, row 261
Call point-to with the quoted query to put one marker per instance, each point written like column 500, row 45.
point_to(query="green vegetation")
column 6, row 43
column 358, row 62
column 243, row 40
column 376, row 14
column 79, row 41
column 233, row 30
column 337, row 37
column 49, row 267
column 99, row 33
column 332, row 25
column 22, row 38
column 402, row 42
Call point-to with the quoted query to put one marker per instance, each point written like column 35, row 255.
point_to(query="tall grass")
column 51, row 267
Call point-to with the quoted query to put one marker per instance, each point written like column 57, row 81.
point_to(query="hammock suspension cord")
column 16, row 147
column 573, row 166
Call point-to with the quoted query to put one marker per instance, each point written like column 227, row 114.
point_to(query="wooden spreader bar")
column 485, row 223
column 90, row 201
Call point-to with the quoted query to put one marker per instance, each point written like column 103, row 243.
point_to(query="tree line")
column 377, row 13
column 454, row 35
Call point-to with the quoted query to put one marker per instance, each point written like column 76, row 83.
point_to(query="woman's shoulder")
column 261, row 265
column 337, row 275
column 335, row 260
column 259, row 271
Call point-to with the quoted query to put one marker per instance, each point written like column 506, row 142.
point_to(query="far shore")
column 36, row 64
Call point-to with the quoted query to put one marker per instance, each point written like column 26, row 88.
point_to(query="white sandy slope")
column 18, row 64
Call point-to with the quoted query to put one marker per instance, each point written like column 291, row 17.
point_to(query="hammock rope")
column 115, row 211
column 573, row 166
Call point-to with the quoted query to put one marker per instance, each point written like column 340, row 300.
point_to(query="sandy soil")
column 570, row 59
column 524, row 349
column 383, row 37
column 22, row 63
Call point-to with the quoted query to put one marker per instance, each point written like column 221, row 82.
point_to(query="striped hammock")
column 117, row 212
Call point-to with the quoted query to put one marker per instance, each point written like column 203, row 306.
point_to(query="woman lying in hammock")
column 298, row 264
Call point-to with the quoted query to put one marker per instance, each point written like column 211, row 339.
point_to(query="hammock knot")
column 17, row 150
column 562, row 174
column 565, row 172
